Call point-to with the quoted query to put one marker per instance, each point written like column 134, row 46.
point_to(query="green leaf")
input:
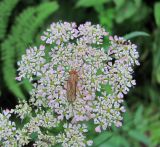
column 155, row 133
column 22, row 35
column 90, row 3
column 138, row 3
column 145, row 12
column 28, row 85
column 138, row 118
column 125, row 12
column 157, row 13
column 106, row 88
column 128, row 121
column 34, row 136
column 99, row 72
column 156, row 57
column 101, row 138
column 139, row 136
column 119, row 3
column 57, row 145
column 106, row 18
column 6, row 7
column 135, row 34
column 116, row 141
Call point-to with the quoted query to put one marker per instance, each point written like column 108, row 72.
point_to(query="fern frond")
column 23, row 34
column 6, row 7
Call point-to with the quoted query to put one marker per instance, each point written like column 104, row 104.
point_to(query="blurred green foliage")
column 22, row 22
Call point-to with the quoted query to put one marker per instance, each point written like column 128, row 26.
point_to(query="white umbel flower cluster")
column 75, row 79
column 7, row 129
column 73, row 136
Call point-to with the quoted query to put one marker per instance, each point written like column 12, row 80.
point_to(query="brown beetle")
column 72, row 85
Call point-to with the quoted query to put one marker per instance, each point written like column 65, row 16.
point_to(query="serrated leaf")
column 6, row 7
column 22, row 35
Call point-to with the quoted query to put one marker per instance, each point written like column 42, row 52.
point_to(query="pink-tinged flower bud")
column 6, row 112
column 118, row 124
column 98, row 129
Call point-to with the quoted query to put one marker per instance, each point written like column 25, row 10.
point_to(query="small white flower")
column 89, row 142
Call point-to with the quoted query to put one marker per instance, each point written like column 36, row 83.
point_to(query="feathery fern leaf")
column 23, row 34
column 6, row 7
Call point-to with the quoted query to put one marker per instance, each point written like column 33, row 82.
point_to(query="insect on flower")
column 72, row 85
